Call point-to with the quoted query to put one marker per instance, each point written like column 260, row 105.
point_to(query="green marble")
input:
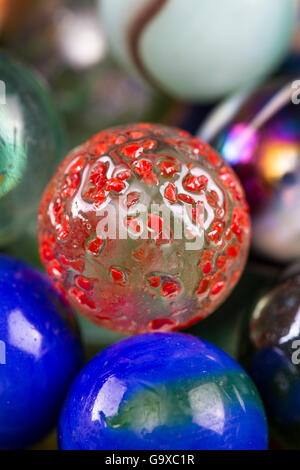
column 31, row 145
column 13, row 156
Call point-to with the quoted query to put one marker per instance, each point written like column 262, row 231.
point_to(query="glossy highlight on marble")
column 162, row 391
column 40, row 354
column 144, row 228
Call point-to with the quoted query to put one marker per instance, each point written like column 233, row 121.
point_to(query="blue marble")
column 40, row 354
column 278, row 381
column 162, row 391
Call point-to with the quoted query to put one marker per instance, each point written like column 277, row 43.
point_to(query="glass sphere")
column 145, row 228
column 162, row 391
column 40, row 354
column 31, row 144
column 271, row 355
column 258, row 134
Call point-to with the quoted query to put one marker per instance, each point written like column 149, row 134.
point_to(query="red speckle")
column 132, row 198
column 212, row 198
column 151, row 179
column 143, row 167
column 197, row 145
column 155, row 223
column 124, row 175
column 217, row 287
column 167, row 168
column 184, row 133
column 46, row 252
column 89, row 193
column 195, row 183
column 70, row 185
column 221, row 263
column 84, row 283
column 114, row 184
column 64, row 229
column 77, row 166
column 201, row 148
column 216, row 232
column 115, row 139
column 228, row 234
column 232, row 252
column 204, row 285
column 101, row 148
column 213, row 157
column 99, row 181
column 161, row 323
column 54, row 269
column 94, row 246
column 186, row 198
column 231, row 183
column 99, row 198
column 170, row 193
column 170, row 290
column 206, row 256
column 154, row 281
column 239, row 221
column 135, row 134
column 97, row 175
column 81, row 298
column 132, row 151
column 75, row 264
column 207, row 268
column 117, row 275
column 149, row 144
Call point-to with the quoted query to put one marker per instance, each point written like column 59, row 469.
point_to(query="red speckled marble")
column 144, row 228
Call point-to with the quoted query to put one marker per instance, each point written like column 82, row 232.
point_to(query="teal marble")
column 31, row 144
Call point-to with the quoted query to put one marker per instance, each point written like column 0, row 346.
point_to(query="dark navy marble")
column 40, row 353
column 278, row 381
column 162, row 391
column 270, row 351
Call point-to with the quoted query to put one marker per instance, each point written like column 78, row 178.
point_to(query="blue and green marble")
column 163, row 391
